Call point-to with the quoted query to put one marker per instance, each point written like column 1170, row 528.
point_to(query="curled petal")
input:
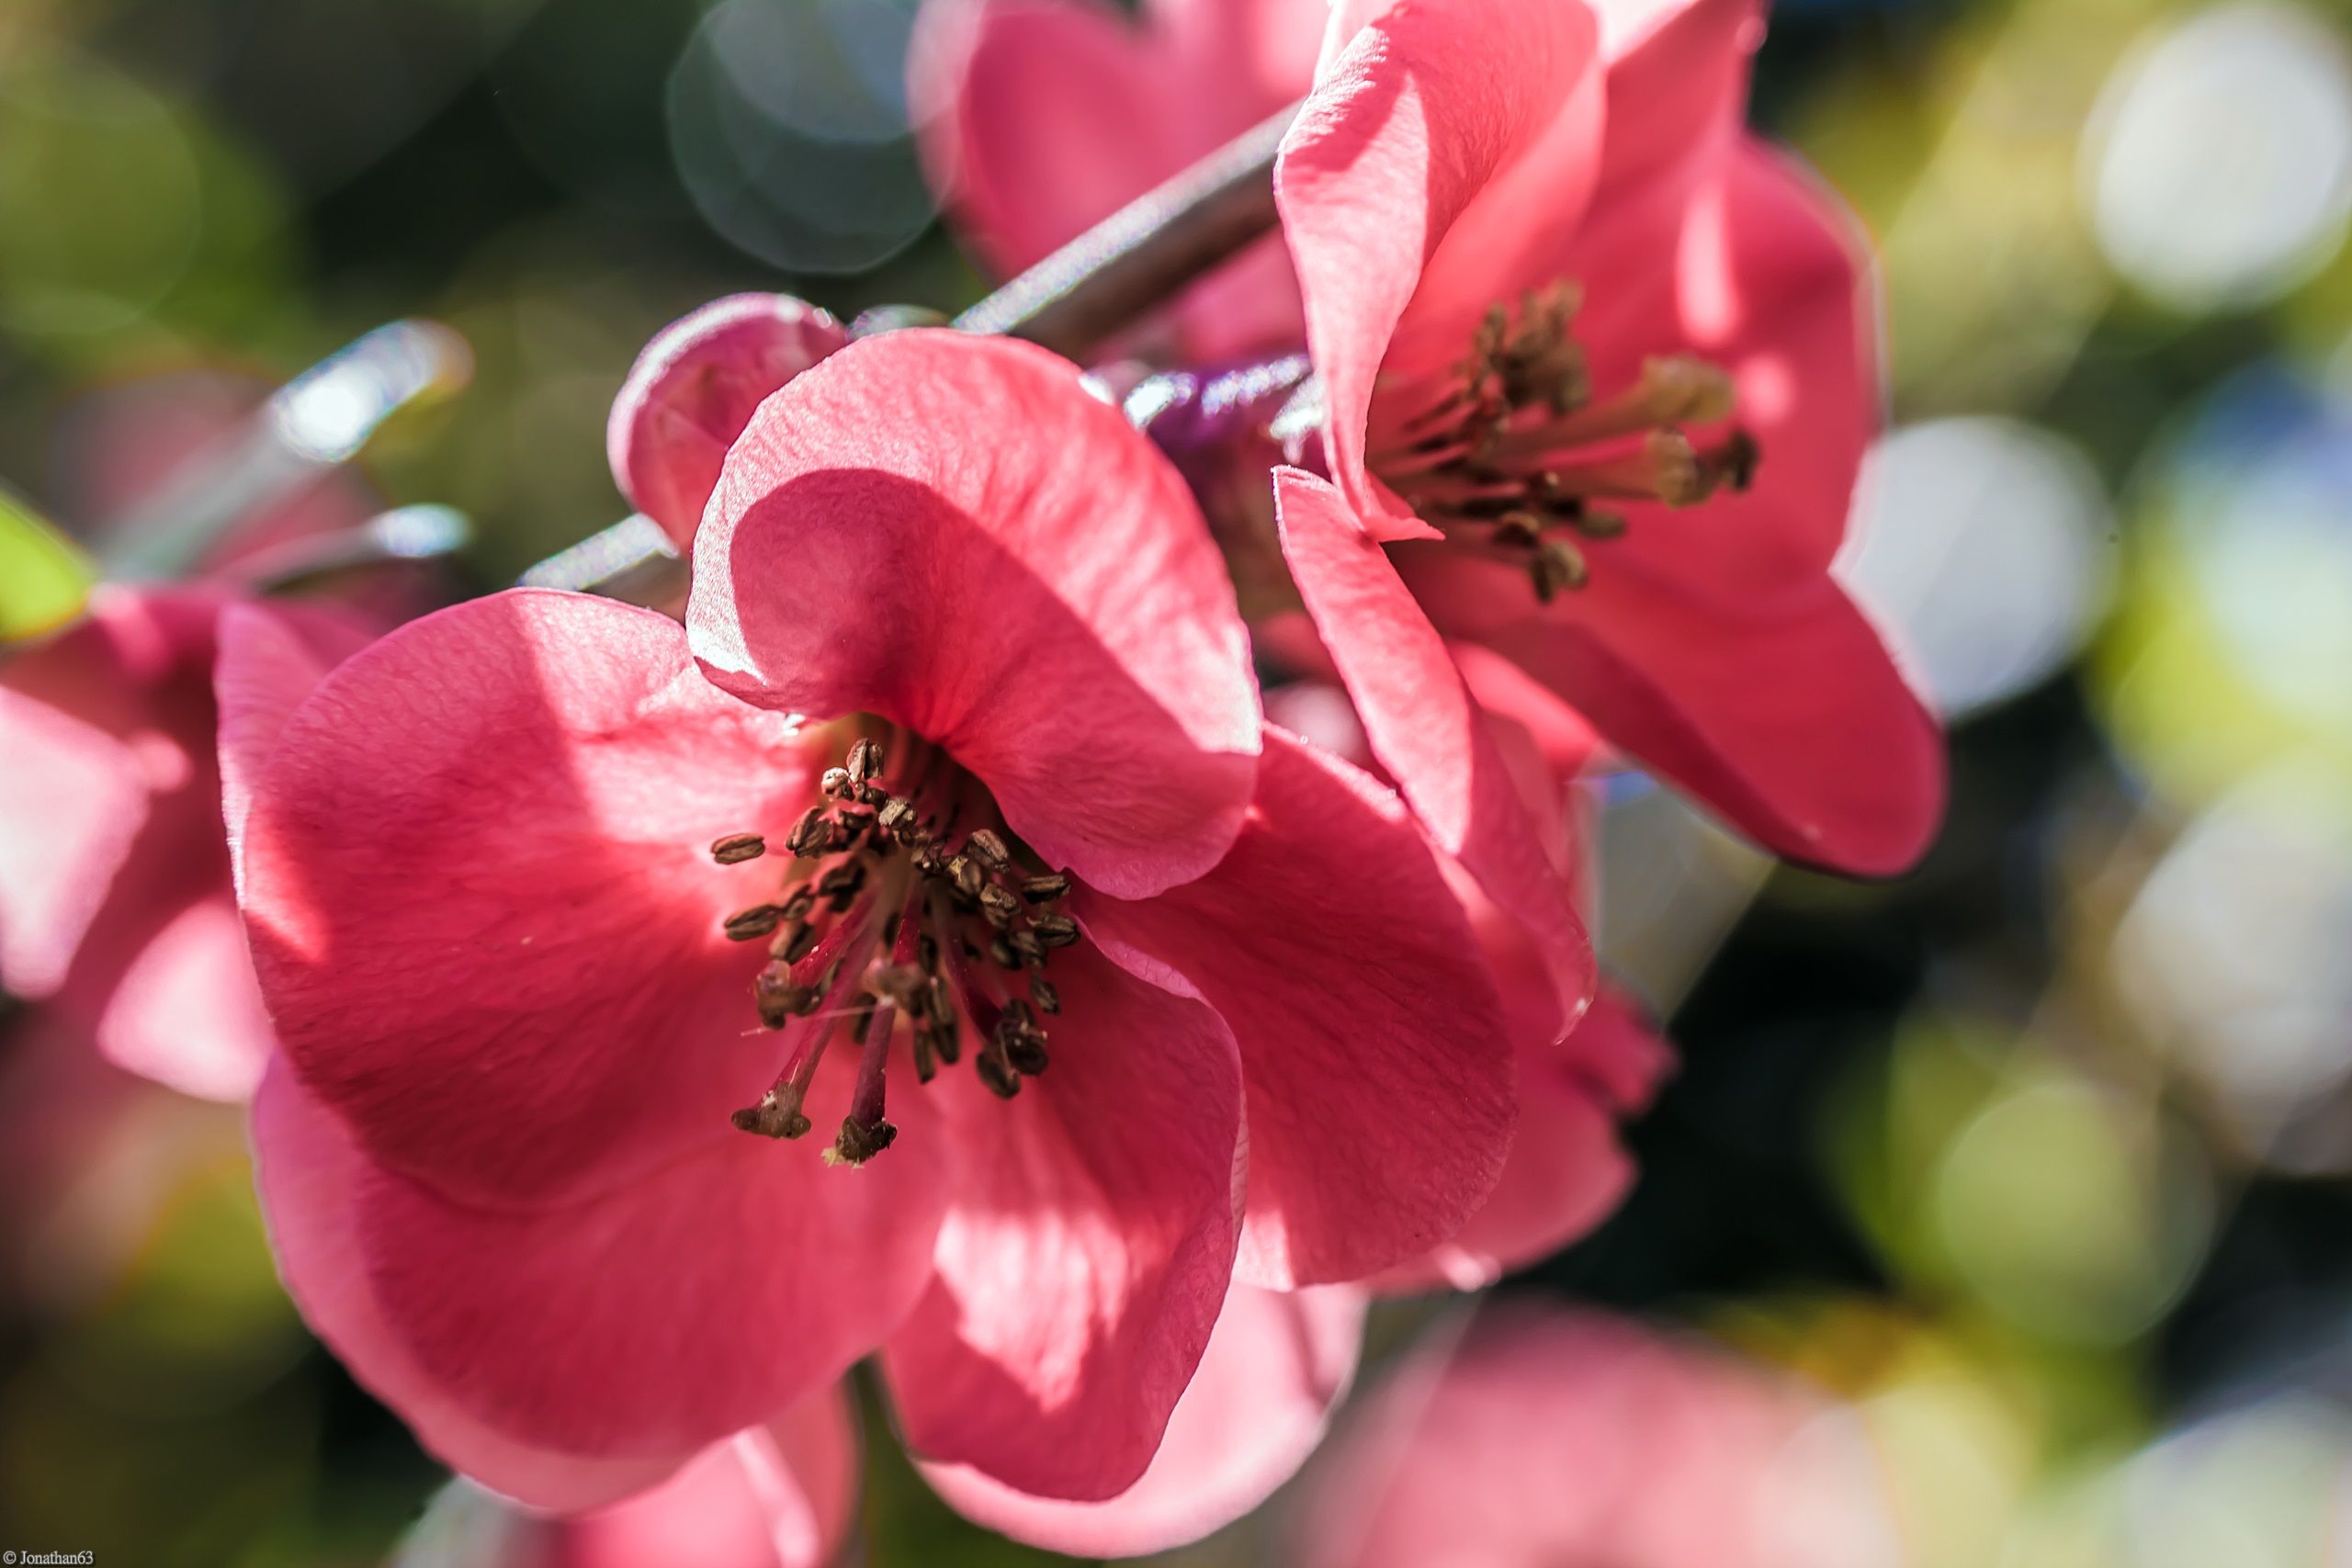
column 1372, row 1041
column 1088, row 1247
column 1277, row 1363
column 953, row 533
column 692, row 391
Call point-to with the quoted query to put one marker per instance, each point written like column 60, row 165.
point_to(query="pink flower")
column 115, row 911
column 1600, row 369
column 1058, row 887
column 1596, row 364
column 691, row 392
column 1038, row 118
column 1545, row 1437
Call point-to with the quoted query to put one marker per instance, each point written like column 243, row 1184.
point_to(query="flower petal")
column 952, row 533
column 1088, row 1244
column 1275, row 1366
column 692, row 391
column 1428, row 176
column 1790, row 718
column 638, row 1324
column 1566, row 1171
column 480, row 901
column 309, row 1172
column 1423, row 724
column 1372, row 1041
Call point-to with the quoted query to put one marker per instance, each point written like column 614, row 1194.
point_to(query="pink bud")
column 693, row 390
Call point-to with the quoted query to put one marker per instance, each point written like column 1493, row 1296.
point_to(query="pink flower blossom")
column 1596, row 365
column 1063, row 919
column 1545, row 1437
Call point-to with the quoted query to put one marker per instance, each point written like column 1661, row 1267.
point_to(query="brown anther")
column 836, row 781
column 861, row 1141
column 998, row 906
column 736, row 848
column 793, row 942
column 747, row 925
column 841, row 879
column 939, row 1001
column 904, row 984
column 1733, row 462
column 799, row 901
column 947, row 1038
column 1674, row 467
column 1045, row 889
column 1598, row 525
column 810, row 834
column 926, row 1060
column 1055, row 931
column 865, row 761
column 927, row 953
column 1000, row 954
column 778, row 999
column 997, row 1074
column 987, row 849
column 964, row 873
column 1518, row 530
column 1026, row 948
column 1041, row 992
column 898, row 815
column 1025, row 1053
column 770, row 1118
column 1557, row 567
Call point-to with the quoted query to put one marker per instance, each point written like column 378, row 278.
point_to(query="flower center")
column 907, row 904
column 1508, row 453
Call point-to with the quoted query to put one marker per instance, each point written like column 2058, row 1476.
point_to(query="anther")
column 746, row 925
column 1055, row 931
column 773, row 1117
column 861, row 1141
column 966, row 875
column 736, row 848
column 1733, row 461
column 793, row 942
column 987, row 849
column 865, row 761
column 810, row 834
column 998, row 906
column 1041, row 992
column 1557, row 565
column 1045, row 889
column 778, row 999
column 898, row 815
column 1518, row 530
column 799, row 901
column 997, row 1075
column 1026, row 948
column 836, row 781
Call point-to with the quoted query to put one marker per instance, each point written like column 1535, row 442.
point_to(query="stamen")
column 1510, row 441
column 894, row 916
column 736, row 848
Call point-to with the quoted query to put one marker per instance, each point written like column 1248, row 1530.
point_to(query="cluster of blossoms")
column 929, row 950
